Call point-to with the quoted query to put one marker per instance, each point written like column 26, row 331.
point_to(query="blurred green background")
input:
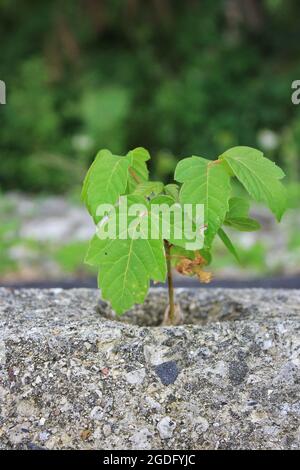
column 177, row 77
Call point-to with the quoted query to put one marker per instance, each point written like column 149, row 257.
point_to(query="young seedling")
column 122, row 202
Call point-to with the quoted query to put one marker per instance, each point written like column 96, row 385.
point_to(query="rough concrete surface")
column 71, row 377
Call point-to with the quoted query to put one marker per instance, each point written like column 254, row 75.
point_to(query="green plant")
column 127, row 263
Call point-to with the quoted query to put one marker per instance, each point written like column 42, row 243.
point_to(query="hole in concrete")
column 197, row 310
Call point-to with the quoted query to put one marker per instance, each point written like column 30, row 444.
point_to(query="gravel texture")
column 72, row 377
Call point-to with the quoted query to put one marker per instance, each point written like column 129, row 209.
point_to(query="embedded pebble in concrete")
column 166, row 427
column 167, row 372
column 73, row 376
column 135, row 377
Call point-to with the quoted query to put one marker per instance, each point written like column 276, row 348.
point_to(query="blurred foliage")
column 8, row 236
column 294, row 241
column 179, row 78
column 252, row 259
column 70, row 258
column 293, row 194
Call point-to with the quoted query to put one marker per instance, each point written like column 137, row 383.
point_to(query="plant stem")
column 169, row 267
column 170, row 284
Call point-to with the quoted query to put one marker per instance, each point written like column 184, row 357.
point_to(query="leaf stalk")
column 171, row 311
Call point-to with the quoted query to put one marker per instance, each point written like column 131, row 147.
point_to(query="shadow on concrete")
column 292, row 282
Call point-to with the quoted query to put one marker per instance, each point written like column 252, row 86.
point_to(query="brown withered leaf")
column 191, row 267
column 204, row 276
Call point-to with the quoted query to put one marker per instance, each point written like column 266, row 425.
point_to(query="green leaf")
column 238, row 207
column 228, row 243
column 148, row 188
column 237, row 216
column 243, row 224
column 205, row 182
column 127, row 265
column 172, row 190
column 110, row 176
column 105, row 181
column 259, row 176
column 182, row 234
column 137, row 159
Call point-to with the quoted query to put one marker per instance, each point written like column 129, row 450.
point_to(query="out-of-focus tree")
column 174, row 76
